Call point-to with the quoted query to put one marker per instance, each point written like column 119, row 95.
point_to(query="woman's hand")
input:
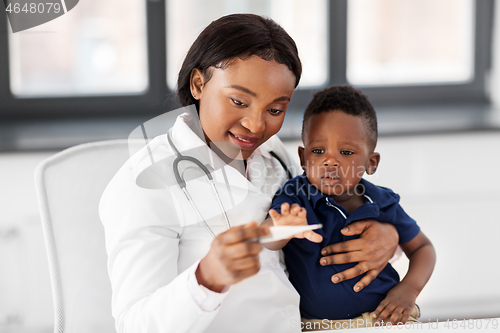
column 371, row 251
column 231, row 257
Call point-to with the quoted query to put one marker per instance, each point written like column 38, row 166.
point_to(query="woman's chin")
column 229, row 149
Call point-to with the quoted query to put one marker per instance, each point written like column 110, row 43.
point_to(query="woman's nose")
column 254, row 122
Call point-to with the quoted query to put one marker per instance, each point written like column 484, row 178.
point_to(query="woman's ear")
column 373, row 162
column 302, row 159
column 196, row 83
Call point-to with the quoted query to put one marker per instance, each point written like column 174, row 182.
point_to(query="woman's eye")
column 346, row 152
column 237, row 102
column 275, row 112
column 318, row 151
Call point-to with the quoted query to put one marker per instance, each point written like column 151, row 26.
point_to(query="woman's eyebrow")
column 248, row 91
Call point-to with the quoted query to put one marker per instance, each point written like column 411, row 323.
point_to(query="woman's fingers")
column 246, row 263
column 349, row 274
column 357, row 228
column 371, row 251
column 342, row 258
column 242, row 233
column 231, row 257
column 241, row 260
column 242, row 250
column 342, row 247
column 365, row 280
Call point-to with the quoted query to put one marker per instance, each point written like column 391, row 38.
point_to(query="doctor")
column 168, row 273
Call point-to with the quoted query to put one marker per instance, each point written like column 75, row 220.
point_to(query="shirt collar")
column 262, row 150
column 183, row 135
column 382, row 196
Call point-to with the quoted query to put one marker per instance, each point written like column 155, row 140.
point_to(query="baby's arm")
column 400, row 300
column 294, row 215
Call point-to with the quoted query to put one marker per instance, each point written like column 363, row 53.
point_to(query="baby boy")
column 339, row 133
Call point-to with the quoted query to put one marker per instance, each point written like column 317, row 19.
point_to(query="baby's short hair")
column 347, row 99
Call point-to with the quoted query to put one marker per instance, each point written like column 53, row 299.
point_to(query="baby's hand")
column 397, row 306
column 294, row 215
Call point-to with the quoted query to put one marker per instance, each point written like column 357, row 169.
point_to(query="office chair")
column 69, row 186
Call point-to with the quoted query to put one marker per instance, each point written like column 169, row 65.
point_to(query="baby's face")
column 336, row 152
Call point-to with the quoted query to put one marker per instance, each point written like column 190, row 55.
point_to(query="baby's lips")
column 331, row 175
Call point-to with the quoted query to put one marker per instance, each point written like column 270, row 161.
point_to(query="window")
column 419, row 51
column 399, row 52
column 98, row 60
column 391, row 42
column 305, row 21
column 99, row 49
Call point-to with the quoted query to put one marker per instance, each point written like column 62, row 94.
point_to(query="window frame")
column 472, row 92
column 149, row 102
column 159, row 98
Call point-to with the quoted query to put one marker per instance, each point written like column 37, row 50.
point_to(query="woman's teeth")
column 241, row 139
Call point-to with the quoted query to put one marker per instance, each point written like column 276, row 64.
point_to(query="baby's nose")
column 331, row 160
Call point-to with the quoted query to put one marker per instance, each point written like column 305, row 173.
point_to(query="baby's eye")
column 275, row 112
column 237, row 102
column 346, row 152
column 318, row 151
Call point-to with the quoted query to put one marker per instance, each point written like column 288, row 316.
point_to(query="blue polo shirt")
column 319, row 297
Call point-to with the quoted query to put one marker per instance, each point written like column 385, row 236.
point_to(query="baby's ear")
column 301, row 156
column 373, row 162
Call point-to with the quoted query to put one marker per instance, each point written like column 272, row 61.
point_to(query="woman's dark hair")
column 237, row 35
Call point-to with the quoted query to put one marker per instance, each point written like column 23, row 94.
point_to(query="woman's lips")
column 244, row 141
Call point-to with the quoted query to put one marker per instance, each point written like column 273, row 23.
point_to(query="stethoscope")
column 180, row 180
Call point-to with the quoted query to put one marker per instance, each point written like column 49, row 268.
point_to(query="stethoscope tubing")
column 181, row 182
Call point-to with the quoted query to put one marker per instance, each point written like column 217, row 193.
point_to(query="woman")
column 170, row 275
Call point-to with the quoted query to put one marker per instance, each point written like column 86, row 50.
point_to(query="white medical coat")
column 155, row 240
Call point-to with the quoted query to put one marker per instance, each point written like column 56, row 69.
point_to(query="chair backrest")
column 69, row 186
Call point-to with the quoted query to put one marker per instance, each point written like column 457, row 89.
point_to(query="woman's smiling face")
column 244, row 104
